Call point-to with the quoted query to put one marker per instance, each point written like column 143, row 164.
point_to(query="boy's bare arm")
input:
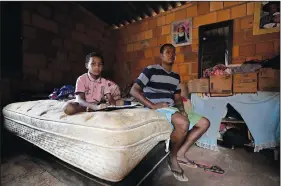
column 110, row 99
column 179, row 103
column 80, row 97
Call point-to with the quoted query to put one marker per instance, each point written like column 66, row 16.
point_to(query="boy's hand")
column 98, row 107
column 102, row 106
column 160, row 105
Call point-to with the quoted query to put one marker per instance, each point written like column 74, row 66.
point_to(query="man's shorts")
column 169, row 111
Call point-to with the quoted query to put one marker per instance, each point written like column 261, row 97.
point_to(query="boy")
column 158, row 88
column 91, row 88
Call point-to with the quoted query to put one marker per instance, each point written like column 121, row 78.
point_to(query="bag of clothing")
column 67, row 91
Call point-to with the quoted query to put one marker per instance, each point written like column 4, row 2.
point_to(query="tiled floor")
column 242, row 169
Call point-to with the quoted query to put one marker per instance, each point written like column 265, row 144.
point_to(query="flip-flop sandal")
column 214, row 169
column 190, row 164
column 211, row 168
column 179, row 175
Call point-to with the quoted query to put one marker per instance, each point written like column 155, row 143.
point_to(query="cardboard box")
column 220, row 95
column 269, row 80
column 198, row 86
column 245, row 82
column 221, row 84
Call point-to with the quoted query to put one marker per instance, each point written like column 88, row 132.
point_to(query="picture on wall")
column 266, row 17
column 182, row 32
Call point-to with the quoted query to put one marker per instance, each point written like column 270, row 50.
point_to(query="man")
column 158, row 88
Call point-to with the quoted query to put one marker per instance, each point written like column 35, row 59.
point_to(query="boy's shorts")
column 169, row 111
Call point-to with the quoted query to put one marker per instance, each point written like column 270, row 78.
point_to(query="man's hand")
column 159, row 105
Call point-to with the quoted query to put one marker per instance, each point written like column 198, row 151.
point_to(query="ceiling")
column 119, row 13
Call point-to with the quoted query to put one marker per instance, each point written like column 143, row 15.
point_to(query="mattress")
column 105, row 144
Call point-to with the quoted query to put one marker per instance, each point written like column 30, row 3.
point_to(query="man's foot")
column 176, row 170
column 187, row 162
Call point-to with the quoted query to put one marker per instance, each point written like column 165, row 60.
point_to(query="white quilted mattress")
column 105, row 144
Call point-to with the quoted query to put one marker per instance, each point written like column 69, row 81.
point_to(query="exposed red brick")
column 184, row 69
column 231, row 3
column 80, row 27
column 166, row 29
column 156, row 32
column 140, row 54
column 57, row 77
column 148, row 34
column 239, row 38
column 186, row 49
column 238, row 11
column 170, row 18
column 216, row 5
column 205, row 19
column 194, row 68
column 250, row 38
column 30, row 71
column 235, row 51
column 247, row 22
column 238, row 60
column 34, row 60
column 175, row 68
column 277, row 46
column 179, row 58
column 247, row 50
column 190, row 57
column 203, row 8
column 157, row 60
column 43, row 23
column 156, row 52
column 268, row 55
column 60, row 17
column 161, row 20
column 148, row 53
column 45, row 75
column 26, row 17
column 57, row 42
column 162, row 40
column 44, row 10
column 223, row 15
column 195, row 47
column 144, row 26
column 77, row 36
column 264, row 47
column 29, row 32
column 153, row 42
column 254, row 58
column 191, row 11
column 65, row 32
column 180, row 14
column 152, row 23
column 237, row 25
column 250, row 8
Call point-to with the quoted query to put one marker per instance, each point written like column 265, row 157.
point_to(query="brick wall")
column 56, row 38
column 138, row 44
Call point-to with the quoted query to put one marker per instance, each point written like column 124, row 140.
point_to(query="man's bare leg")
column 178, row 136
column 193, row 135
